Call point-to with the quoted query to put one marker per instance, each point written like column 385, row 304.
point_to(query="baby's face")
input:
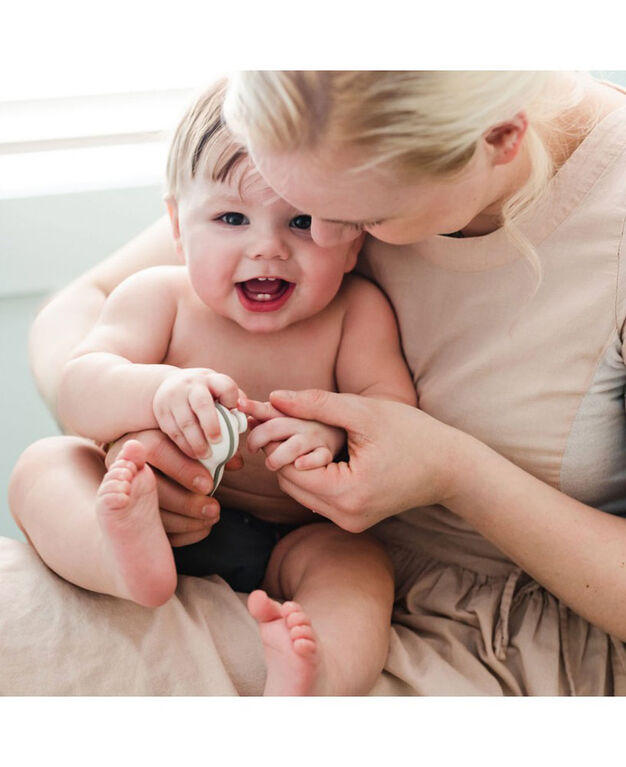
column 250, row 255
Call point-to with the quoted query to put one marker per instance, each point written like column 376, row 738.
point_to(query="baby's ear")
column 172, row 209
column 353, row 252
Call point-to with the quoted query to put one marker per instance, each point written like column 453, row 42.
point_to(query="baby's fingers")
column 168, row 426
column 317, row 458
column 261, row 411
column 187, row 425
column 275, row 430
column 202, row 405
column 288, row 452
column 223, row 388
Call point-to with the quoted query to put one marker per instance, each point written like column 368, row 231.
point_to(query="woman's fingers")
column 344, row 410
column 189, row 511
column 186, row 539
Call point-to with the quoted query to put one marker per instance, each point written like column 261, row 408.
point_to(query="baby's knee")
column 39, row 458
column 323, row 546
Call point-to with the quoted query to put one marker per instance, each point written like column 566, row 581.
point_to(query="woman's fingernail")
column 202, row 484
column 209, row 511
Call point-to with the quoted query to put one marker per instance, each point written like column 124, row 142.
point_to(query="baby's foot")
column 292, row 650
column 136, row 545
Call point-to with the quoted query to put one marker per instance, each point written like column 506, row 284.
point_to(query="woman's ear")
column 504, row 140
column 172, row 209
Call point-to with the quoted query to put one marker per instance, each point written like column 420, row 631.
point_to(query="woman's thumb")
column 318, row 405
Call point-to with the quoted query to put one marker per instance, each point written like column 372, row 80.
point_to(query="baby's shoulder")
column 164, row 283
column 157, row 277
column 358, row 292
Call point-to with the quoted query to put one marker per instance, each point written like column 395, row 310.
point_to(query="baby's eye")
column 301, row 222
column 233, row 219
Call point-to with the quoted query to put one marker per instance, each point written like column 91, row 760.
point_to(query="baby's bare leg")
column 333, row 638
column 96, row 528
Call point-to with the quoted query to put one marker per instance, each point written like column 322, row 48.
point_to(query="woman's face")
column 344, row 202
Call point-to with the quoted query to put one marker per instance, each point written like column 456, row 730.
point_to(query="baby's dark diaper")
column 237, row 549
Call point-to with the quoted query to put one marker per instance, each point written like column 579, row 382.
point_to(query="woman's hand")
column 187, row 513
column 399, row 458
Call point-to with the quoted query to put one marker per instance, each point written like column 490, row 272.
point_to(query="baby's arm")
column 116, row 382
column 108, row 385
column 370, row 360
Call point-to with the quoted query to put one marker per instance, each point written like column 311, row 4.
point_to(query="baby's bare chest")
column 300, row 357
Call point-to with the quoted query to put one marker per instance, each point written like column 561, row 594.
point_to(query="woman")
column 510, row 560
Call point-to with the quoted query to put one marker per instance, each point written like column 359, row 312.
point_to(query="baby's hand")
column 184, row 407
column 305, row 444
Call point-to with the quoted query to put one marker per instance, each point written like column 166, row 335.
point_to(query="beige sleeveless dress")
column 539, row 377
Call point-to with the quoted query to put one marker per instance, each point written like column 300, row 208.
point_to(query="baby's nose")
column 270, row 248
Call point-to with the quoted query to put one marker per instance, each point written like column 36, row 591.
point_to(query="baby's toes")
column 303, row 639
column 120, row 473
column 114, row 487
column 290, row 607
column 122, row 463
column 297, row 618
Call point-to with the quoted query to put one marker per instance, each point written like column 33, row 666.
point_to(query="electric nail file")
column 232, row 424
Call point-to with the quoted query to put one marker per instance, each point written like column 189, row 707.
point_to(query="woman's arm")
column 401, row 458
column 67, row 318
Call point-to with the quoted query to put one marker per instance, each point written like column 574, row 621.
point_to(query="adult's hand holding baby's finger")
column 399, row 457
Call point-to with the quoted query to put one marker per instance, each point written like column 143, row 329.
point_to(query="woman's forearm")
column 103, row 396
column 577, row 552
column 67, row 318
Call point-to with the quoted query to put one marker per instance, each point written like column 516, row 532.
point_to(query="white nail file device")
column 232, row 424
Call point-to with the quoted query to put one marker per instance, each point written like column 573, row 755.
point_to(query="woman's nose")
column 327, row 234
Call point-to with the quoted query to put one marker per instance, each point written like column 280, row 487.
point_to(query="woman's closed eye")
column 233, row 218
column 361, row 226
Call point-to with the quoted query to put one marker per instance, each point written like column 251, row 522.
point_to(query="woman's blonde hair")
column 203, row 142
column 417, row 123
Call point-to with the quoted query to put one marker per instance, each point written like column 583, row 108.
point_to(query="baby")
column 256, row 306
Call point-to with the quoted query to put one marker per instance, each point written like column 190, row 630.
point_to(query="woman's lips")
column 264, row 294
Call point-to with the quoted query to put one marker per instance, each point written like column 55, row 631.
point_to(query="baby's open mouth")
column 264, row 294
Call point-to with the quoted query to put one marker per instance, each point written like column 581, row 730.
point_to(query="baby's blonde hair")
column 416, row 123
column 202, row 142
